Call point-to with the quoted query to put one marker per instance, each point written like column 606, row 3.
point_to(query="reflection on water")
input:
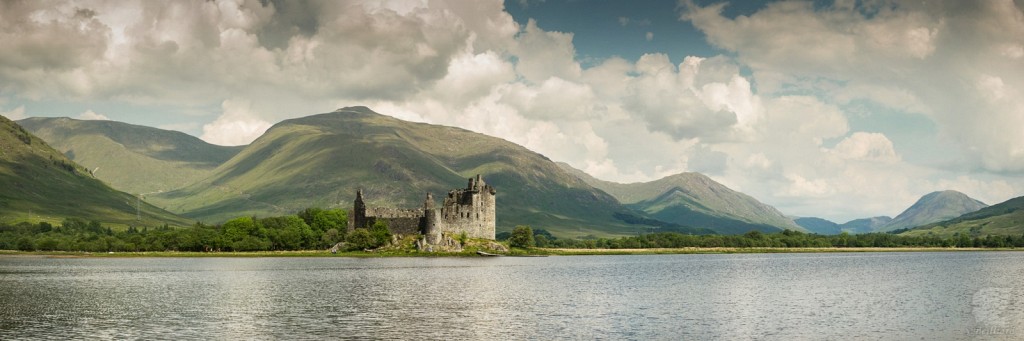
column 769, row 296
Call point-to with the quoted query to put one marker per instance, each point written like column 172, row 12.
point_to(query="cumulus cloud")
column 846, row 53
column 238, row 125
column 866, row 147
column 544, row 54
column 15, row 114
column 92, row 115
column 771, row 118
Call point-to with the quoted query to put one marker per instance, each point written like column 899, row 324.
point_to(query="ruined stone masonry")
column 470, row 211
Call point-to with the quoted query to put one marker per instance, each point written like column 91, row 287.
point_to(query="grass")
column 131, row 158
column 248, row 254
column 732, row 250
column 320, row 161
column 38, row 180
column 472, row 252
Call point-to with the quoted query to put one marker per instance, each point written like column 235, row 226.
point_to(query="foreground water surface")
column 926, row 296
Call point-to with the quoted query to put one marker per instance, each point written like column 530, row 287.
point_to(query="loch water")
column 817, row 296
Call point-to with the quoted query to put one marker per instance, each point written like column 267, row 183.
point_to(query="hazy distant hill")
column 695, row 200
column 1003, row 219
column 823, row 226
column 132, row 158
column 934, row 207
column 321, row 160
column 818, row 225
column 39, row 183
column 865, row 225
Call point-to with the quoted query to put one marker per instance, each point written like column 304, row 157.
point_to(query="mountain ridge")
column 696, row 200
column 934, row 207
column 41, row 184
column 132, row 158
column 395, row 162
column 1002, row 219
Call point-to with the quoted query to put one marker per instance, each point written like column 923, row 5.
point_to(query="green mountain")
column 321, row 160
column 818, row 225
column 827, row 227
column 40, row 184
column 1003, row 219
column 132, row 158
column 934, row 207
column 693, row 199
column 865, row 225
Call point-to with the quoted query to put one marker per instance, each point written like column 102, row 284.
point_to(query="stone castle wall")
column 470, row 211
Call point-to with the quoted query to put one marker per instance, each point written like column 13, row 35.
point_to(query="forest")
column 320, row 229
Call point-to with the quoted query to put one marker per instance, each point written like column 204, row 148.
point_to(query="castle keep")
column 470, row 211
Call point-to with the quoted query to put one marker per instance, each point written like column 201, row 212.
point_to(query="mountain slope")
column 865, row 225
column 1003, row 219
column 818, row 225
column 39, row 183
column 695, row 200
column 823, row 226
column 132, row 158
column 321, row 160
column 934, row 207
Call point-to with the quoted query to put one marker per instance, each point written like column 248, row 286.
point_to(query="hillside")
column 856, row 226
column 39, row 183
column 818, row 225
column 1003, row 219
column 132, row 158
column 321, row 160
column 865, row 225
column 934, row 207
column 695, row 200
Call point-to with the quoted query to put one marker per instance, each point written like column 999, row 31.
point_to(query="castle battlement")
column 470, row 210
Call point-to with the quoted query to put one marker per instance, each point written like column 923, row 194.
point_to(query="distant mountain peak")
column 356, row 109
column 935, row 207
column 693, row 199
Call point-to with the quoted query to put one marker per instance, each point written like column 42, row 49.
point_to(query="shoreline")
column 731, row 250
column 536, row 251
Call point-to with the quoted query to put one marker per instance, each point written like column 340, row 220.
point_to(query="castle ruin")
column 470, row 211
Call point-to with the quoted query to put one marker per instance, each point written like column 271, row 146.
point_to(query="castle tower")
column 430, row 225
column 358, row 211
column 486, row 204
column 429, row 203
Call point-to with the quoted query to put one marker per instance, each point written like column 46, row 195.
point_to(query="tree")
column 360, row 239
column 522, row 236
column 322, row 220
column 543, row 241
column 235, row 230
column 332, row 236
column 288, row 232
column 380, row 233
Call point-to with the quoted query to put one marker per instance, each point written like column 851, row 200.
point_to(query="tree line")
column 318, row 229
column 310, row 229
column 524, row 236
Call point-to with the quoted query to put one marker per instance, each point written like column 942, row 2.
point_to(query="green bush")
column 522, row 236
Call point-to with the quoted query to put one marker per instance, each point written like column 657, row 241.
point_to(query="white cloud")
column 545, row 54
column 15, row 114
column 92, row 115
column 762, row 119
column 238, row 125
column 949, row 60
column 866, row 147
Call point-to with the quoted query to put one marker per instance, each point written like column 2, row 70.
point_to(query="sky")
column 835, row 109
